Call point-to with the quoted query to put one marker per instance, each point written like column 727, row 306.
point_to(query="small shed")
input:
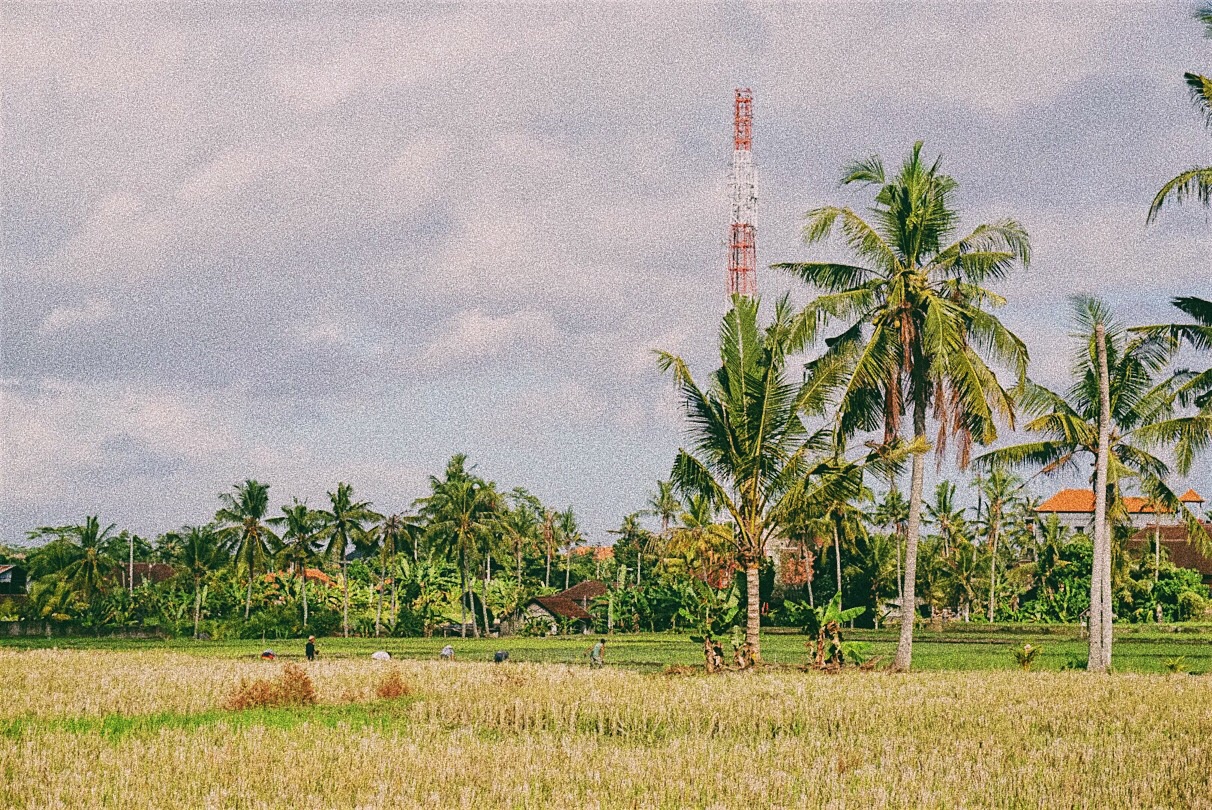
column 12, row 580
column 571, row 605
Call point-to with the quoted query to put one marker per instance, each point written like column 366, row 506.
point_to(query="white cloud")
column 475, row 335
column 94, row 310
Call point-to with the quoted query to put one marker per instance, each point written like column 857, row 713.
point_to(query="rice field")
column 148, row 727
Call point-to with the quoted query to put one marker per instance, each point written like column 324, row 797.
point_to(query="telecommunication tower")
column 742, row 236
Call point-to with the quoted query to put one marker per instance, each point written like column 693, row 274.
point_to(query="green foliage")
column 1025, row 656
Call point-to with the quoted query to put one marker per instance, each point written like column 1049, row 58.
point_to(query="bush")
column 292, row 688
column 1025, row 656
column 392, row 686
column 1191, row 606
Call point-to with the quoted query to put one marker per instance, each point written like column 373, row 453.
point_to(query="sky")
column 342, row 242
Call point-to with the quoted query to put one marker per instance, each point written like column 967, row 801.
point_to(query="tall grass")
column 533, row 735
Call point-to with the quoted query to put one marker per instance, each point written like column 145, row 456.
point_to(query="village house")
column 566, row 607
column 12, row 580
column 1074, row 509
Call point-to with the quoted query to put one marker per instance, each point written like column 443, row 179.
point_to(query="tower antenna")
column 742, row 236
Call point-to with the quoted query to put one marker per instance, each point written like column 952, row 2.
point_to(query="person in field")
column 447, row 653
column 310, row 649
column 595, row 653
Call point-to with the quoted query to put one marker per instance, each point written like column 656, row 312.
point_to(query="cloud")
column 475, row 335
column 93, row 311
column 317, row 245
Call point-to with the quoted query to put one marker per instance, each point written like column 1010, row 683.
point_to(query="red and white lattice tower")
column 742, row 237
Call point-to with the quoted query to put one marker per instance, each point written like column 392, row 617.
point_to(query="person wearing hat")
column 310, row 649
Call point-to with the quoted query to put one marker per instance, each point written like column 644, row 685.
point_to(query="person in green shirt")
column 595, row 653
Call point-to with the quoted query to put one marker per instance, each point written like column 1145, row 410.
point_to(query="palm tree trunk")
column 382, row 586
column 993, row 528
column 567, row 568
column 753, row 610
column 248, row 601
column 837, row 560
column 484, row 600
column 904, row 647
column 305, row 596
column 811, row 597
column 1156, row 551
column 197, row 604
column 1100, row 608
column 519, row 566
column 345, row 588
column 547, row 576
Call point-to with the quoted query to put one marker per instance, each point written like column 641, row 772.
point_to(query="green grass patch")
column 380, row 715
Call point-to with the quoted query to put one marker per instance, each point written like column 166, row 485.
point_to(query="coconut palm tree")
column 1195, row 389
column 519, row 526
column 945, row 515
column 83, row 556
column 300, row 540
column 202, row 552
column 1195, row 182
column 461, row 512
column 570, row 538
column 664, row 504
column 751, row 453
column 344, row 524
column 999, row 488
column 917, row 322
column 1144, row 416
column 701, row 539
column 390, row 533
column 242, row 529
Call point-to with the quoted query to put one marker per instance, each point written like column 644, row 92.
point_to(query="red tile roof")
column 600, row 553
column 1191, row 496
column 589, row 589
column 559, row 606
column 1082, row 501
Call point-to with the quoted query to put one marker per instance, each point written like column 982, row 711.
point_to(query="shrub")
column 1191, row 605
column 292, row 688
column 1175, row 666
column 1025, row 656
column 392, row 686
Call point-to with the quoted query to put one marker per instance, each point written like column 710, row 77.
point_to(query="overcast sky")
column 322, row 243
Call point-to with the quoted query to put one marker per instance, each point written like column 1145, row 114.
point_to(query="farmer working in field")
column 310, row 649
column 595, row 653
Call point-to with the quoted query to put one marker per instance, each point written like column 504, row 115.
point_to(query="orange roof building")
column 1075, row 508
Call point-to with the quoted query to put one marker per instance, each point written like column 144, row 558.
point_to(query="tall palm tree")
column 390, row 532
column 1195, row 182
column 1195, row 389
column 461, row 510
column 664, row 504
column 635, row 534
column 892, row 514
column 946, row 515
column 344, row 524
column 300, row 539
column 1144, row 416
column 702, row 539
column 202, row 552
column 917, row 322
column 519, row 526
column 751, row 452
column 999, row 489
column 243, row 531
column 83, row 555
column 570, row 538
